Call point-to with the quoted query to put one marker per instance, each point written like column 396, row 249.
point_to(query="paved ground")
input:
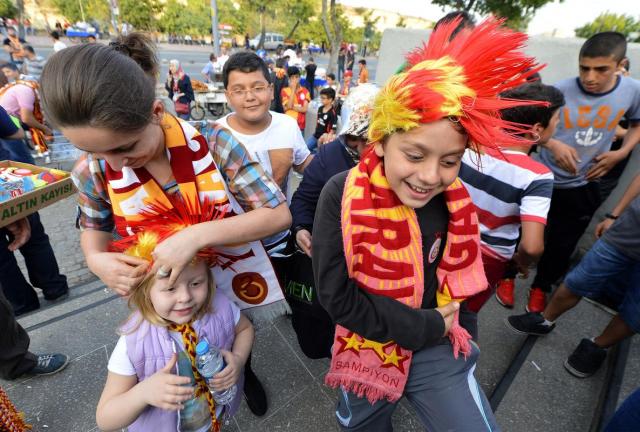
column 543, row 397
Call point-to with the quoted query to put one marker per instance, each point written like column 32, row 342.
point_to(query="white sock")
column 548, row 323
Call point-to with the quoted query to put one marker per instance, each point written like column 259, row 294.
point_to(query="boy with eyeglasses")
column 272, row 138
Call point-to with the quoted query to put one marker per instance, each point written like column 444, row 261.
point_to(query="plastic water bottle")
column 209, row 362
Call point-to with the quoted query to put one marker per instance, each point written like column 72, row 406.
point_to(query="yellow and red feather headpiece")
column 459, row 78
column 161, row 222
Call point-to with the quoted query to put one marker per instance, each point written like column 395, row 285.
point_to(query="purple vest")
column 150, row 347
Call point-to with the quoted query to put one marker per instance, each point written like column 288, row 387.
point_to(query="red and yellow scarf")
column 244, row 272
column 383, row 249
column 10, row 419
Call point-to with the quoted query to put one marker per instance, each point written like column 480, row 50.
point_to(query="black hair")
column 332, row 76
column 212, row 57
column 466, row 21
column 311, row 59
column 328, row 92
column 30, row 49
column 534, row 77
column 280, row 62
column 362, row 61
column 605, row 44
column 54, row 34
column 246, row 62
column 293, row 70
column 532, row 114
column 11, row 66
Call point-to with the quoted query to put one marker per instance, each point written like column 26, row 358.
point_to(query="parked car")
column 272, row 41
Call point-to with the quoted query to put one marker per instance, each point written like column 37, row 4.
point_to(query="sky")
column 563, row 17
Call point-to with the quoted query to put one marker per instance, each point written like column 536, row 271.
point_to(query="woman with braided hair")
column 410, row 236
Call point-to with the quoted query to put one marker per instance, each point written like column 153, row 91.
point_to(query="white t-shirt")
column 282, row 133
column 59, row 45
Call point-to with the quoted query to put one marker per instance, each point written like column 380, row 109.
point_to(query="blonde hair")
column 140, row 301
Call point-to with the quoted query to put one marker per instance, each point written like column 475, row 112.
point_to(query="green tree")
column 402, row 22
column 8, row 9
column 139, row 13
column 263, row 9
column 236, row 17
column 517, row 12
column 93, row 9
column 172, row 18
column 333, row 25
column 624, row 24
column 298, row 11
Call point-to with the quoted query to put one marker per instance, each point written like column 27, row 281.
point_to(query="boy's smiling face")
column 598, row 74
column 249, row 94
column 423, row 162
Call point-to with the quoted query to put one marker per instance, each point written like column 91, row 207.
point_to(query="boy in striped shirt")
column 512, row 193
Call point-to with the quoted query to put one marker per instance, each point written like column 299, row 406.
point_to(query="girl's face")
column 173, row 68
column 423, row 162
column 120, row 149
column 180, row 302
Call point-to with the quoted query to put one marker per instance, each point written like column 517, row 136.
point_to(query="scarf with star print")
column 383, row 251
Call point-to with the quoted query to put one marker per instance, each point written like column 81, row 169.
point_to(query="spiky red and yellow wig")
column 161, row 222
column 459, row 78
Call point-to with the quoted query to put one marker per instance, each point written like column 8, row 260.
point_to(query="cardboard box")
column 30, row 202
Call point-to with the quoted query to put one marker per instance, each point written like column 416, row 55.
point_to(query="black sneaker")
column 531, row 323
column 48, row 364
column 57, row 297
column 586, row 359
column 254, row 393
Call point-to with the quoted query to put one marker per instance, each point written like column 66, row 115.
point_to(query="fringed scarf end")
column 360, row 389
column 459, row 338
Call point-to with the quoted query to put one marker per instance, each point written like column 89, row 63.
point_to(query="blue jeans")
column 312, row 143
column 41, row 264
column 627, row 417
column 15, row 150
column 605, row 270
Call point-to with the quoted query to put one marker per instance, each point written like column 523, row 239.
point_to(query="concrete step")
column 80, row 297
column 543, row 395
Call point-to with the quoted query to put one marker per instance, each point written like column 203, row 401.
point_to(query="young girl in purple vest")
column 153, row 384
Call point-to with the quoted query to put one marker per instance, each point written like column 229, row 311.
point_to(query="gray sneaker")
column 48, row 364
column 531, row 323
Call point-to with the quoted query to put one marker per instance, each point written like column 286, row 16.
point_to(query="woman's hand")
column 229, row 375
column 173, row 254
column 166, row 390
column 118, row 271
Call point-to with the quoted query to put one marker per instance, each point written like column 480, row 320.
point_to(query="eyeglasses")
column 256, row 91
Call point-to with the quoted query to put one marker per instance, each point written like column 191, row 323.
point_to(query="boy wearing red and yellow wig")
column 410, row 236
